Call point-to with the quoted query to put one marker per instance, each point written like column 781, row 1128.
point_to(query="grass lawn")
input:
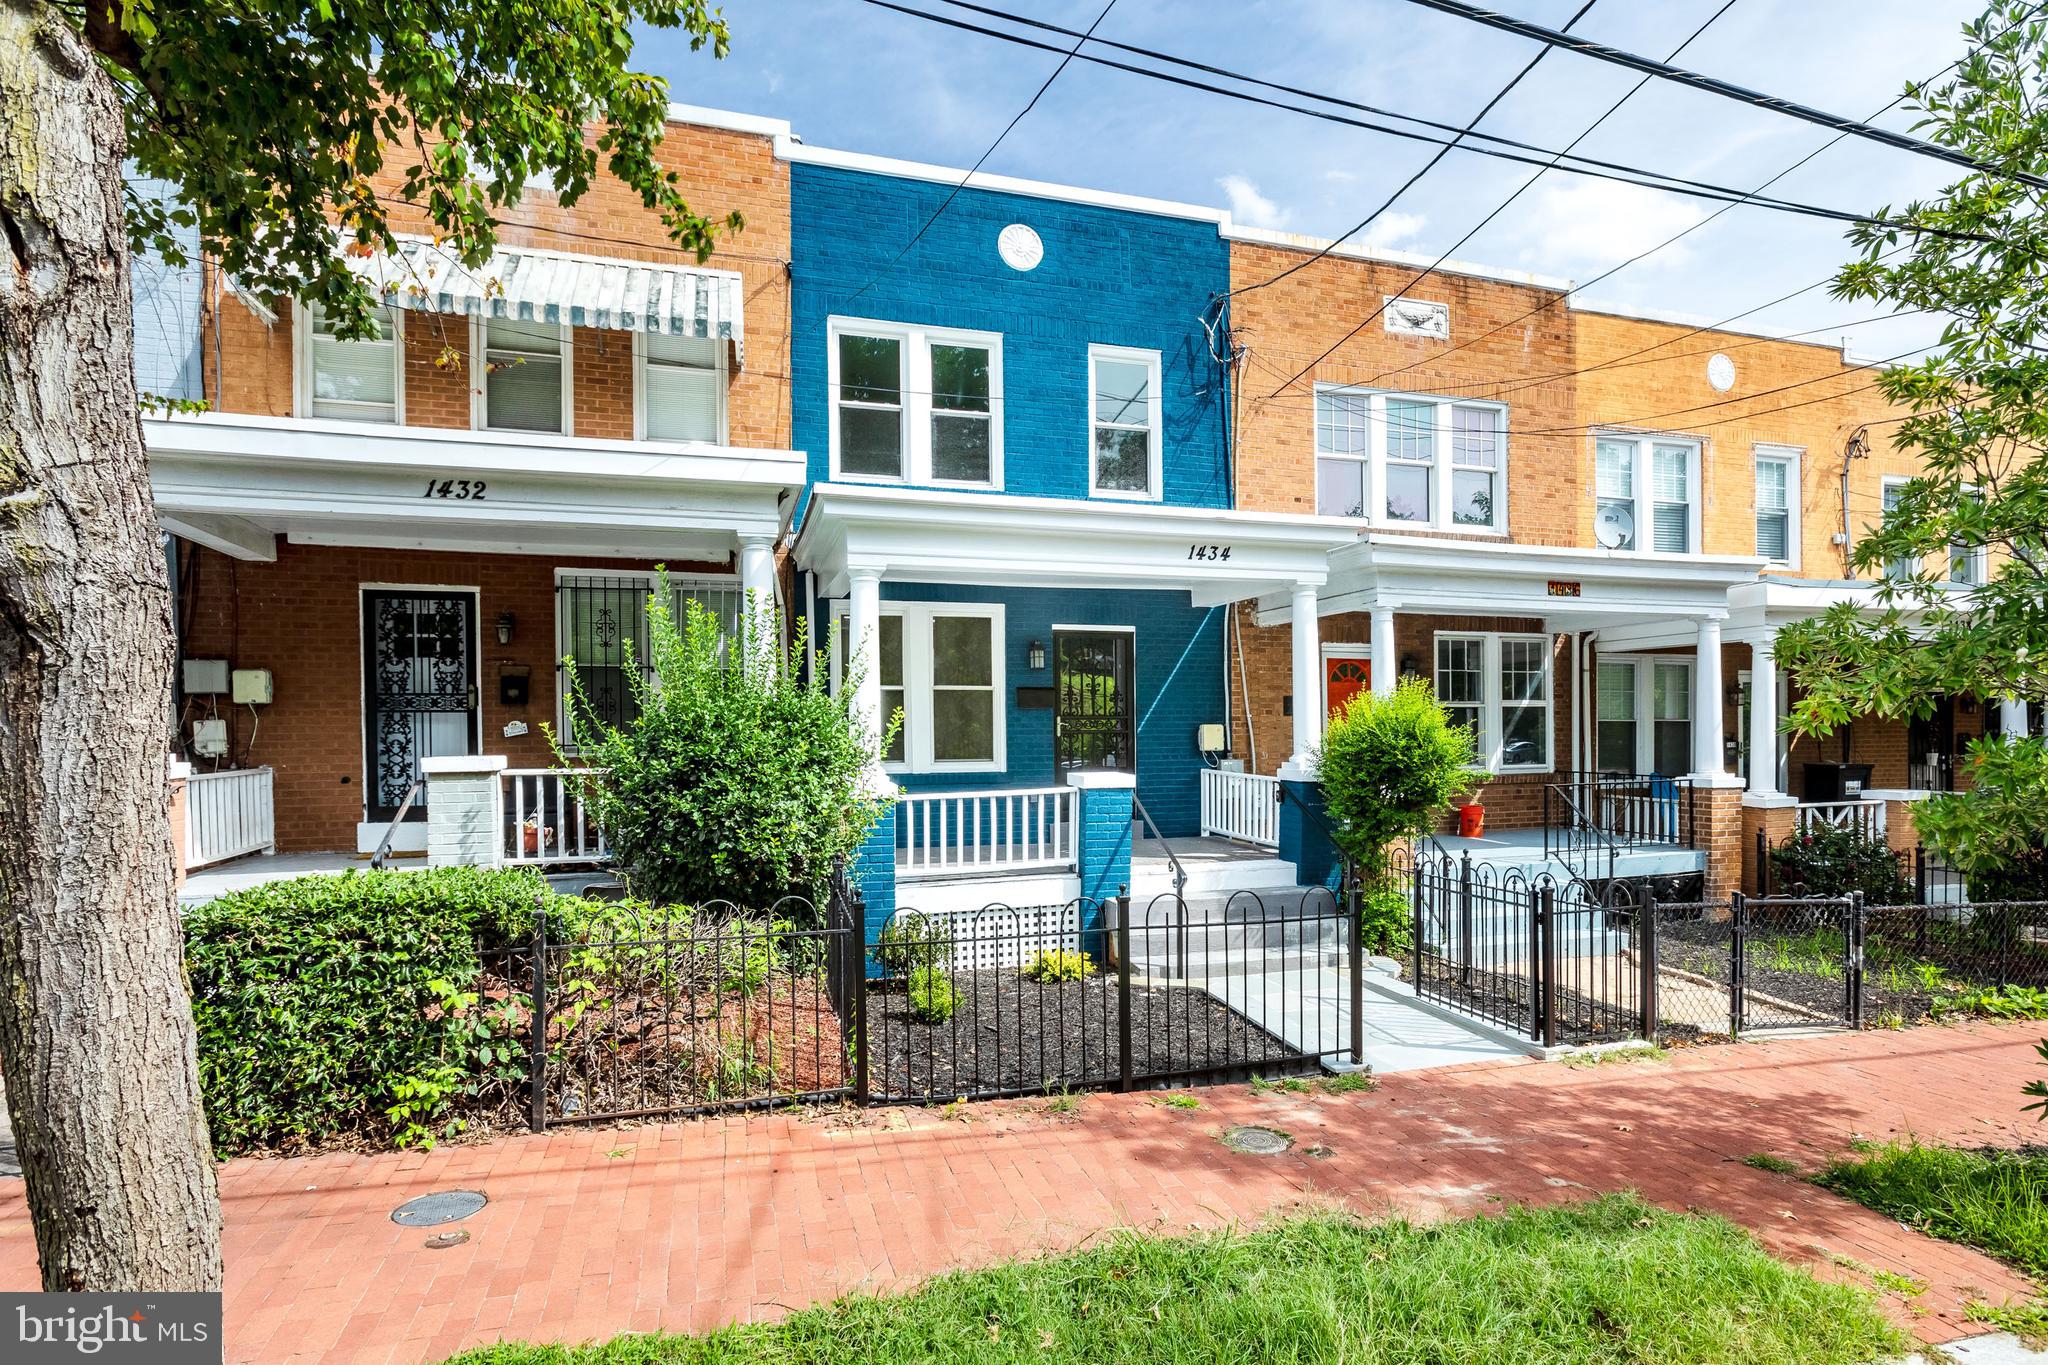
column 1615, row 1280
column 1994, row 1201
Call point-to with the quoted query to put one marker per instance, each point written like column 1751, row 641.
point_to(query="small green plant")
column 1770, row 1161
column 2027, row 1321
column 1052, row 965
column 1997, row 1002
column 746, row 958
column 1892, row 1282
column 2037, row 1091
column 1390, row 765
column 931, row 995
column 1178, row 1099
column 1831, row 860
column 1616, row 1056
column 1289, row 1085
column 1348, row 1083
column 912, row 939
column 1386, row 921
column 1064, row 1103
column 1996, row 1201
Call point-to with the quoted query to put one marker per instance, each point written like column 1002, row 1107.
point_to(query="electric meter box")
column 205, row 675
column 1209, row 738
column 252, row 687
column 210, row 738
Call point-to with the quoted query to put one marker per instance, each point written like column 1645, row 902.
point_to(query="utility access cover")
column 432, row 1210
column 1254, row 1141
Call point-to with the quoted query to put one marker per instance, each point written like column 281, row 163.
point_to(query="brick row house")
column 1101, row 493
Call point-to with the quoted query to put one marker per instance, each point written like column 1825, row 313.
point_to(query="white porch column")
column 1308, row 690
column 1706, row 700
column 864, row 649
column 1763, row 716
column 757, row 587
column 1386, row 669
column 2012, row 718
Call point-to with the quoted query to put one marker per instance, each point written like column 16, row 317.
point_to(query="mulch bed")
column 1503, row 999
column 1008, row 1035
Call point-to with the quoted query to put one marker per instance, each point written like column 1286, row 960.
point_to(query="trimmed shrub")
column 337, row 1006
column 931, row 995
column 1058, row 964
column 1836, row 861
column 1389, row 767
column 1386, row 921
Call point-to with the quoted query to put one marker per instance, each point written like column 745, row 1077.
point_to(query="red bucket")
column 1472, row 820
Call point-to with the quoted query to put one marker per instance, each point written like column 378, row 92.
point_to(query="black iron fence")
column 1589, row 816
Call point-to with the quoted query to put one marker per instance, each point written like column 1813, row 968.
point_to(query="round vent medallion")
column 1019, row 247
column 1720, row 372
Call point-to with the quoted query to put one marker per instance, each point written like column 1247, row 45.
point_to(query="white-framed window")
column 523, row 376
column 1901, row 566
column 1500, row 685
column 351, row 381
column 1966, row 562
column 601, row 623
column 1125, row 449
column 1642, row 715
column 1777, row 505
column 1646, row 493
column 942, row 667
column 1402, row 459
column 678, row 388
column 917, row 405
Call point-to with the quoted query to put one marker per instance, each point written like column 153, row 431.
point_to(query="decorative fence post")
column 859, row 946
column 1357, row 917
column 1465, row 921
column 1123, row 987
column 1738, row 949
column 537, row 1052
column 1546, row 927
column 1646, row 952
column 1415, row 940
column 1856, row 926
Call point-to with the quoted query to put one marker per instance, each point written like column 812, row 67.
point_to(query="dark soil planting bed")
column 1010, row 1036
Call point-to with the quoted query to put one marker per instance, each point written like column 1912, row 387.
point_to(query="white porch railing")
column 545, row 822
column 227, row 814
column 1243, row 806
column 992, row 831
column 1865, row 816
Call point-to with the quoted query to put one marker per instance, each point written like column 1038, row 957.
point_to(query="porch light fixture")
column 1732, row 694
column 1411, row 667
column 505, row 623
column 1034, row 655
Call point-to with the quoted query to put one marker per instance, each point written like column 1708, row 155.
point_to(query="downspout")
column 1251, row 737
column 1578, row 701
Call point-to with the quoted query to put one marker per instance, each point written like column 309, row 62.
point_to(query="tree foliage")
column 1390, row 765
column 1996, row 833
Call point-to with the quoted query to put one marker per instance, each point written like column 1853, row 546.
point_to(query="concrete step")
column 1153, row 876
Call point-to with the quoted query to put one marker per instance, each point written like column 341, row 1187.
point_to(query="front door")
column 1344, row 677
column 419, row 689
column 1931, row 747
column 1094, row 701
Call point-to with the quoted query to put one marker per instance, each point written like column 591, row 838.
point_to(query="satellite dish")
column 1614, row 527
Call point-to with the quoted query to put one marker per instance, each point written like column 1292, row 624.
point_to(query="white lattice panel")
column 1006, row 936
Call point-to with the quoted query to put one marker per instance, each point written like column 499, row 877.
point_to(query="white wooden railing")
column 1244, row 806
column 1016, row 830
column 1866, row 816
column 545, row 821
column 227, row 814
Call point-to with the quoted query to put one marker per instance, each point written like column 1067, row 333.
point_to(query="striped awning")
column 560, row 287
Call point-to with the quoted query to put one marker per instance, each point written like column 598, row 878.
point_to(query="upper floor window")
column 1409, row 460
column 525, row 376
column 1965, row 560
column 1900, row 566
column 680, row 387
column 1123, row 403
column 1499, row 686
column 1645, row 494
column 1777, row 505
column 354, row 381
column 916, row 405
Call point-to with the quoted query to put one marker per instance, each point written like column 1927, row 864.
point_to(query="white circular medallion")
column 1720, row 372
column 1019, row 247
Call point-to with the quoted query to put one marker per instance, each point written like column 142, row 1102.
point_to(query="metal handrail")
column 1584, row 823
column 1180, row 874
column 384, row 845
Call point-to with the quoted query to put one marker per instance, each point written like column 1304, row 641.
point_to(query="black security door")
column 1094, row 713
column 419, row 690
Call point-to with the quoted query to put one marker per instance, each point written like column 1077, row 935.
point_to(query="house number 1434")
column 1208, row 552
column 462, row 490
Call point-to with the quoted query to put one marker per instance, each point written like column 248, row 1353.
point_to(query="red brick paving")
column 685, row 1226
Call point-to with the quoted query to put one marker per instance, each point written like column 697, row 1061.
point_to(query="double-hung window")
column 1777, row 505
column 1643, row 716
column 942, row 670
column 1646, row 494
column 1410, row 460
column 353, row 381
column 1900, row 567
column 601, row 624
column 917, row 405
column 1124, row 443
column 680, row 387
column 1499, row 686
column 1965, row 560
column 525, row 376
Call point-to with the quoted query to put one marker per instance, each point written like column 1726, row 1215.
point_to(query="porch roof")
column 235, row 483
column 931, row 536
column 1570, row 587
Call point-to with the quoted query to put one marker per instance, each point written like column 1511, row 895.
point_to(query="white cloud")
column 1391, row 229
column 1601, row 223
column 1251, row 208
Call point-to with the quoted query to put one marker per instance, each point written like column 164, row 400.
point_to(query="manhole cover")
column 1257, row 1141
column 432, row 1210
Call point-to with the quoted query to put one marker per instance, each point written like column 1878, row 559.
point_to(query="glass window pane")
column 1623, row 519
column 1671, row 528
column 890, row 647
column 1772, row 535
column 871, row 441
column 696, row 352
column 1411, row 430
column 960, row 448
column 1523, row 676
column 1123, row 460
column 1460, row 670
column 1475, row 437
column 1617, row 691
column 1407, row 492
column 1616, row 746
column 680, row 403
column 1471, row 498
column 1673, row 744
column 539, row 338
column 1340, row 488
column 1525, row 735
column 892, row 704
column 1770, row 485
column 960, row 378
column 962, row 651
column 355, row 380
column 523, row 393
column 1123, row 392
column 1343, row 421
column 963, row 726
column 1616, row 464
column 1671, row 692
column 1669, row 471
column 870, row 369
column 1464, row 717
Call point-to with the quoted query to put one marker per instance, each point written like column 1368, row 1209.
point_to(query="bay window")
column 942, row 670
column 1500, row 687
column 352, row 381
column 1410, row 460
column 1124, row 433
column 679, row 387
column 525, row 382
column 1645, row 492
column 919, row 405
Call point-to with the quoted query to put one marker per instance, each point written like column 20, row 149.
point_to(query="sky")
column 851, row 75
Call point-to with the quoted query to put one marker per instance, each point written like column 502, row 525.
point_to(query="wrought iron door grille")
column 602, row 619
column 1095, row 720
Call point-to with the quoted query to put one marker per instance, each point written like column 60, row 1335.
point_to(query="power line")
column 1499, row 209
column 1550, row 37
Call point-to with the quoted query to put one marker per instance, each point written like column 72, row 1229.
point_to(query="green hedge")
column 340, row 1006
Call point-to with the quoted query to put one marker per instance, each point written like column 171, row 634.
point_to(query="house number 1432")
column 1208, row 552
column 462, row 490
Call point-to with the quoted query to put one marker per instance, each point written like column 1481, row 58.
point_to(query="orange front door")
column 1344, row 679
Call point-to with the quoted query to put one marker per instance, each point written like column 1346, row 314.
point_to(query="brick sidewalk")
column 591, row 1232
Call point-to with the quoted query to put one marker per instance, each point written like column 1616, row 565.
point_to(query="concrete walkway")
column 591, row 1232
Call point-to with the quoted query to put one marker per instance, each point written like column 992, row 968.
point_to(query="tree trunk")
column 96, row 1037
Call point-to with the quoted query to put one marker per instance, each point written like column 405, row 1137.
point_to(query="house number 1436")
column 1208, row 552
column 462, row 490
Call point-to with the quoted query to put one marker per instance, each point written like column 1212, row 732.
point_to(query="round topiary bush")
column 1390, row 765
